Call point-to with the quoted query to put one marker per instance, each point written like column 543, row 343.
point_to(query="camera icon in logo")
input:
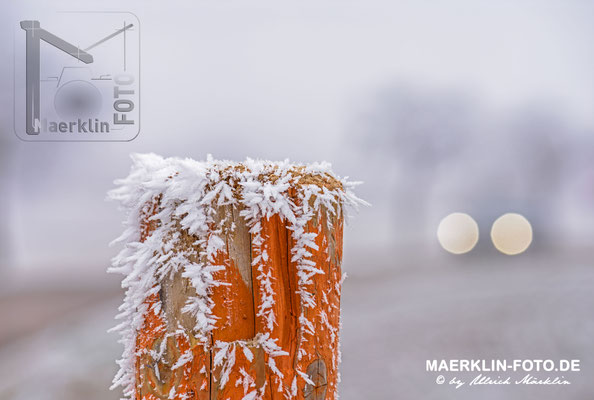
column 78, row 95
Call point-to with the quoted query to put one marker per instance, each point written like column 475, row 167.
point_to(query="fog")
column 472, row 106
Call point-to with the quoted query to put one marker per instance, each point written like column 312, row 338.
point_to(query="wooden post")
column 233, row 280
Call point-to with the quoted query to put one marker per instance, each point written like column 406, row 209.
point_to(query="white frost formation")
column 188, row 193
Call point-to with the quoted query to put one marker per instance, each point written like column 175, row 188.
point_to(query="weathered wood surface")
column 237, row 302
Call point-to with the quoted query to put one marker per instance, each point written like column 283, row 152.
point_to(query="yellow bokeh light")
column 511, row 234
column 458, row 233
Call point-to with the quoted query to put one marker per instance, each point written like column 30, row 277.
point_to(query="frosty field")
column 396, row 314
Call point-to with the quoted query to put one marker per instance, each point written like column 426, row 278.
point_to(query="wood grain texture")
column 239, row 323
column 321, row 344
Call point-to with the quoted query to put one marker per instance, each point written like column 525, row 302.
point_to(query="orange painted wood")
column 286, row 308
column 159, row 380
column 234, row 305
column 320, row 345
column 239, row 322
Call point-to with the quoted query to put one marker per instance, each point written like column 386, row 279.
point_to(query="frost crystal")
column 173, row 226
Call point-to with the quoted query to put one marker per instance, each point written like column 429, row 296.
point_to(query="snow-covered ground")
column 396, row 315
column 500, row 307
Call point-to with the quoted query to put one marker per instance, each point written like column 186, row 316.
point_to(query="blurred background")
column 460, row 106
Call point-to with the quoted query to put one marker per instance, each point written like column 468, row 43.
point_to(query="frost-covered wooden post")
column 233, row 279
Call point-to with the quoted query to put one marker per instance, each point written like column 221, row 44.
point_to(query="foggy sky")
column 294, row 80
